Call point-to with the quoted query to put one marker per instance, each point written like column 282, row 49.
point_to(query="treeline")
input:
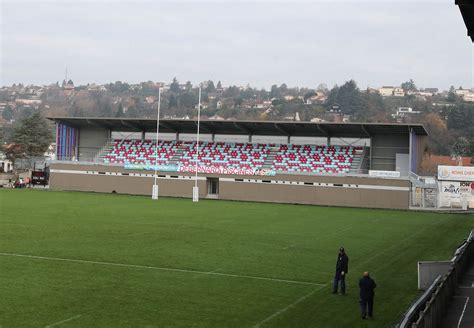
column 448, row 120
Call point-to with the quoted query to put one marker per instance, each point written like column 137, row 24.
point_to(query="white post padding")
column 154, row 192
column 195, row 194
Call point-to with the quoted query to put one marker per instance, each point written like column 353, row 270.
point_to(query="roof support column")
column 328, row 142
column 143, row 136
column 289, row 139
column 76, row 148
column 213, row 136
column 177, row 136
column 250, row 138
column 370, row 155
column 410, row 150
column 57, row 142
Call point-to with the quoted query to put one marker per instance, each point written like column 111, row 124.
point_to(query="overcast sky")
column 258, row 43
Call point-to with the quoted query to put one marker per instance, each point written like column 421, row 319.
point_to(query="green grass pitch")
column 96, row 260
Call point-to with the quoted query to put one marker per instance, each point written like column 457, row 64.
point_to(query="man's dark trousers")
column 367, row 306
column 339, row 277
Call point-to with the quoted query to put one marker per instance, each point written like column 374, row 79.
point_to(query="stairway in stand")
column 267, row 164
column 177, row 155
column 107, row 148
column 357, row 161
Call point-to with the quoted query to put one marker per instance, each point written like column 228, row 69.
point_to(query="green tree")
column 451, row 95
column 118, row 86
column 174, row 86
column 33, row 135
column 186, row 100
column 408, row 86
column 120, row 112
column 332, row 96
column 7, row 113
column 461, row 118
column 309, row 95
column 188, row 86
column 172, row 102
column 471, row 148
column 460, row 147
column 219, row 85
column 238, row 101
column 210, row 87
column 347, row 97
column 374, row 109
column 133, row 112
column 232, row 92
column 275, row 92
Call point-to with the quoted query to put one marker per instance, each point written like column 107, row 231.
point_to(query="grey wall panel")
column 91, row 140
column 384, row 149
column 318, row 190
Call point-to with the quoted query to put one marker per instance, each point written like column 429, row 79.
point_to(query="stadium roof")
column 467, row 11
column 269, row 128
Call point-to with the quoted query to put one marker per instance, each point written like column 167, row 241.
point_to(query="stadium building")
column 336, row 164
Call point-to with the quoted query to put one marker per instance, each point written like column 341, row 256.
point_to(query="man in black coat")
column 367, row 286
column 342, row 267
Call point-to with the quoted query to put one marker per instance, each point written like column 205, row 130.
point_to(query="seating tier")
column 141, row 152
column 314, row 159
column 229, row 155
column 287, row 157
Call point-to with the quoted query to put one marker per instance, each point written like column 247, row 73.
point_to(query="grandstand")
column 280, row 158
column 343, row 164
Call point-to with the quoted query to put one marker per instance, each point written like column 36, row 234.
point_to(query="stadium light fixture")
column 196, row 188
column 154, row 192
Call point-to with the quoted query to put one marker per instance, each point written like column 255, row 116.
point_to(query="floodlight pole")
column 196, row 188
column 154, row 193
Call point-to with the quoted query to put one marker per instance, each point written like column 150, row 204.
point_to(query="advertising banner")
column 449, row 192
column 149, row 167
column 456, row 173
column 225, row 170
column 467, row 189
column 201, row 169
column 384, row 174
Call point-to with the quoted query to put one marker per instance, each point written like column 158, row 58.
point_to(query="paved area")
column 460, row 313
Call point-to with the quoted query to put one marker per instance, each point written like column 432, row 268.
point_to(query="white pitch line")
column 463, row 310
column 63, row 321
column 203, row 274
column 163, row 269
column 286, row 308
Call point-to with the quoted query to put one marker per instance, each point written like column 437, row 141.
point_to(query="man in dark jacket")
column 367, row 286
column 342, row 267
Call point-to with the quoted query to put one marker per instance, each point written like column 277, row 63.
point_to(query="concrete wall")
column 316, row 190
column 384, row 148
column 428, row 271
column 91, row 140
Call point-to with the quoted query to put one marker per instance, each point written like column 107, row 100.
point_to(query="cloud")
column 300, row 43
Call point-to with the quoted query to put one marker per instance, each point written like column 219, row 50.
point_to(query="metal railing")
column 420, row 181
column 429, row 309
column 414, row 310
column 364, row 161
column 107, row 144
